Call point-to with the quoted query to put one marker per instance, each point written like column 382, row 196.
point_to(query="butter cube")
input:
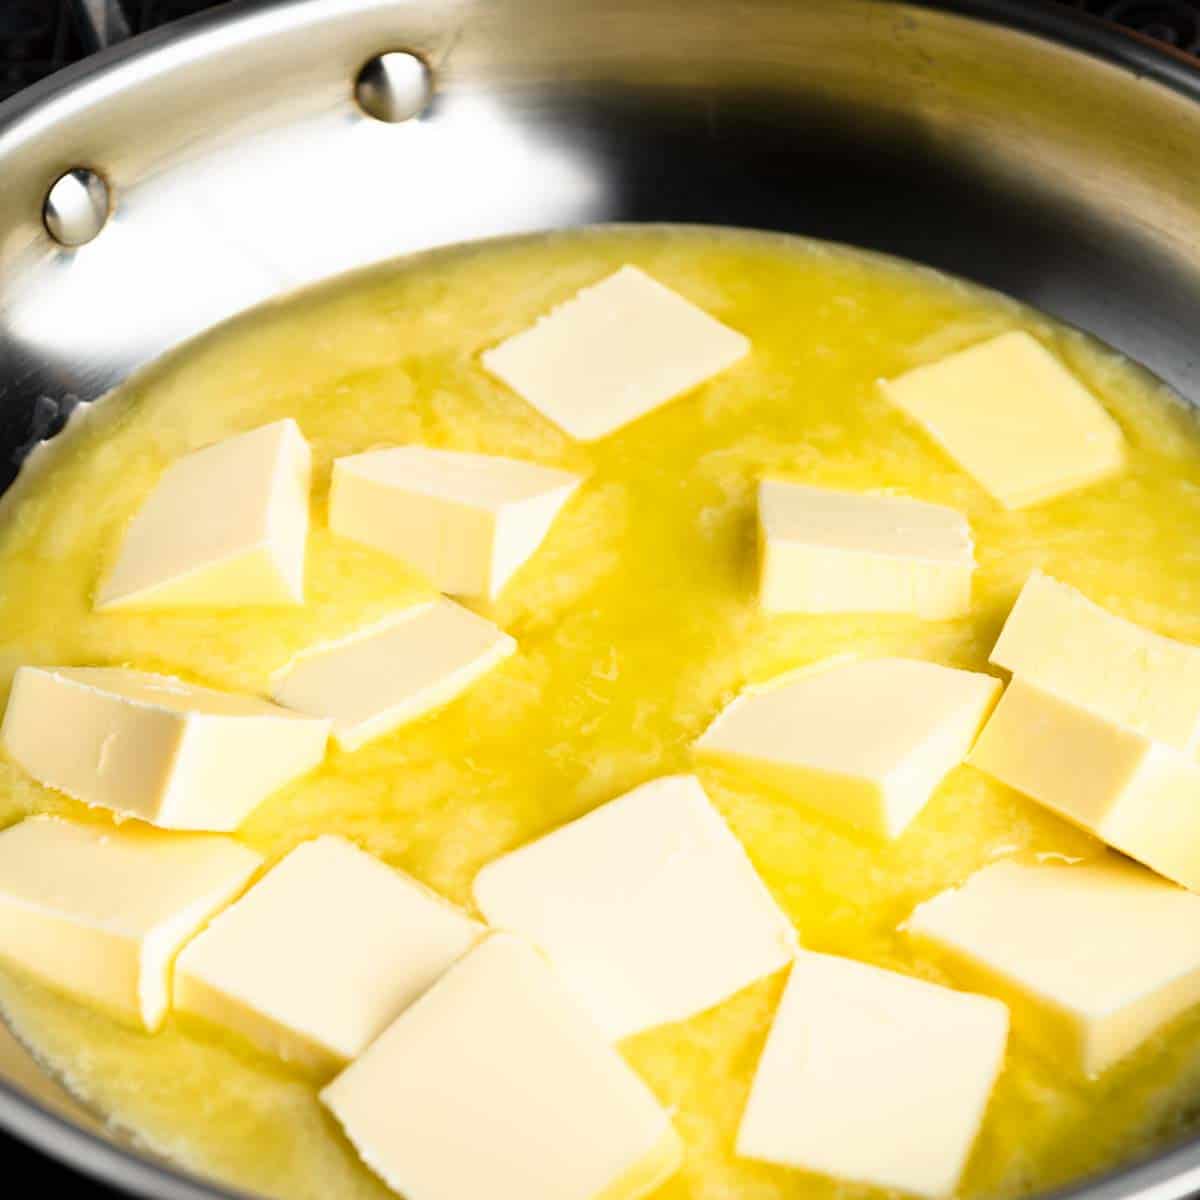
column 614, row 352
column 865, row 741
column 1096, row 956
column 469, row 521
column 224, row 527
column 101, row 913
column 1013, row 417
column 827, row 551
column 874, row 1077
column 495, row 1084
column 1139, row 796
column 375, row 681
column 1056, row 638
column 655, row 912
column 154, row 747
column 319, row 957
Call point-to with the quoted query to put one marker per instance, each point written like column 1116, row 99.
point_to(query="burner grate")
column 37, row 37
column 1173, row 22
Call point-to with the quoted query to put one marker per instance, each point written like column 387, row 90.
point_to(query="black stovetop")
column 37, row 37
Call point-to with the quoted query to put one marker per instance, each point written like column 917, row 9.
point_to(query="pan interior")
column 636, row 621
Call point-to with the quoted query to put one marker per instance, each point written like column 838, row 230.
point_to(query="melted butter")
column 637, row 621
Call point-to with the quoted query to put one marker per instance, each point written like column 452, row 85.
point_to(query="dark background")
column 37, row 37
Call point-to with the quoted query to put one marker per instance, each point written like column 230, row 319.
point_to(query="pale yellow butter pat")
column 865, row 741
column 655, row 911
column 1139, row 796
column 101, row 913
column 873, row 1077
column 374, row 682
column 468, row 521
column 319, row 957
column 828, row 551
column 224, row 527
column 154, row 747
column 614, row 352
column 1096, row 957
column 495, row 1084
column 1013, row 417
column 1056, row 638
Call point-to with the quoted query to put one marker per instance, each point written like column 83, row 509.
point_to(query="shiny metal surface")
column 1017, row 145
column 394, row 87
column 77, row 207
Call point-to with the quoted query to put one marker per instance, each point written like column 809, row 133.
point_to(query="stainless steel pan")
column 184, row 176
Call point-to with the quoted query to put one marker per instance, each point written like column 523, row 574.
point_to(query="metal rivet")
column 394, row 87
column 77, row 207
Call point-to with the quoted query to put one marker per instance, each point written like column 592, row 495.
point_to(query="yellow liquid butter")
column 637, row 620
